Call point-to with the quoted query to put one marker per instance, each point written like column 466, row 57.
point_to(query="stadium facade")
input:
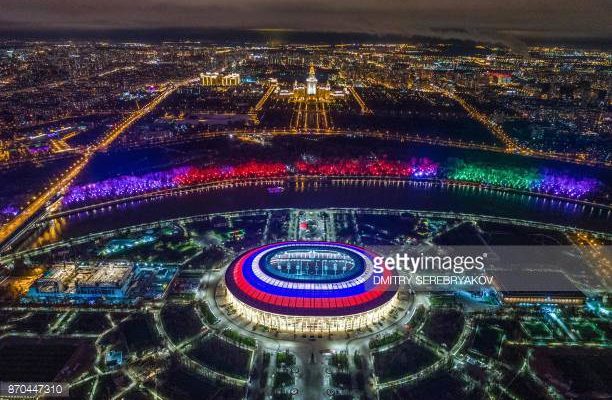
column 309, row 287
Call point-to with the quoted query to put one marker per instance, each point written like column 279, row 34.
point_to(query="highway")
column 403, row 137
column 69, row 242
column 382, row 135
column 511, row 146
column 63, row 181
column 359, row 100
column 493, row 127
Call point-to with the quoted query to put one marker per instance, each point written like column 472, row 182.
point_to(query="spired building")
column 311, row 82
column 311, row 92
column 311, row 103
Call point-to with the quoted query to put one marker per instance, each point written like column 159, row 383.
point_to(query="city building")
column 537, row 287
column 215, row 79
column 500, row 78
column 112, row 282
column 230, row 80
column 311, row 103
column 209, row 78
column 309, row 287
column 311, row 82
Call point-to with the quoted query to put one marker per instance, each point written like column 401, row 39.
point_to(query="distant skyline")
column 492, row 20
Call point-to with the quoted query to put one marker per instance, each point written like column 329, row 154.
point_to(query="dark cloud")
column 497, row 20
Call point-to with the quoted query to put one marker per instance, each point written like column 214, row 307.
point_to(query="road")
column 63, row 181
column 11, row 257
column 382, row 135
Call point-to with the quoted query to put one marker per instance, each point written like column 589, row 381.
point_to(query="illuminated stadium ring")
column 309, row 287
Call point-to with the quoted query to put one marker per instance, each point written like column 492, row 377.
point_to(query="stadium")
column 308, row 287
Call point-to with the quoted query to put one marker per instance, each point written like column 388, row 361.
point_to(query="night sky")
column 476, row 19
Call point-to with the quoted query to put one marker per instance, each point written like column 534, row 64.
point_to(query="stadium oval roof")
column 309, row 279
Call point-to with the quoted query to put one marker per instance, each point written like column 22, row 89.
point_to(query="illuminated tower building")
column 209, row 79
column 311, row 82
column 230, row 80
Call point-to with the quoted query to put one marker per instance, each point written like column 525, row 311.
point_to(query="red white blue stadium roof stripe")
column 254, row 284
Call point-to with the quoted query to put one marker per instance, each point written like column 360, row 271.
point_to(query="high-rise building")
column 214, row 79
column 230, row 80
column 209, row 79
column 311, row 82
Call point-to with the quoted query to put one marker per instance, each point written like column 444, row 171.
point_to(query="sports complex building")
column 114, row 282
column 307, row 287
